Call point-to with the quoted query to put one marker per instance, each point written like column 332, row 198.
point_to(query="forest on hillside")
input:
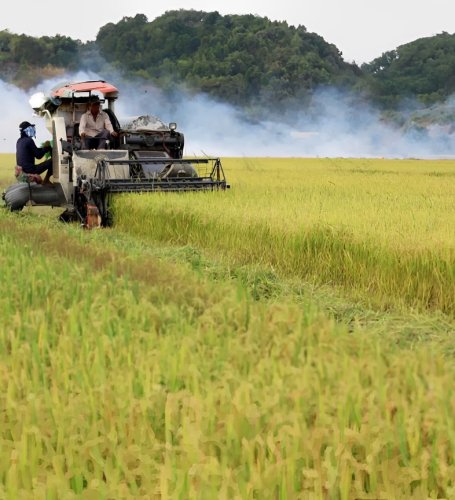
column 245, row 60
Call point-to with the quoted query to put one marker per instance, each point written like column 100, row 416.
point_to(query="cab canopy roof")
column 69, row 90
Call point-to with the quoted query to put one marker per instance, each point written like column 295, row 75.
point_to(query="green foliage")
column 30, row 52
column 237, row 58
column 424, row 68
column 61, row 51
column 245, row 60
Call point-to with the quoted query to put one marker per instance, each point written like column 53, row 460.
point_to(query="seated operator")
column 95, row 127
column 27, row 151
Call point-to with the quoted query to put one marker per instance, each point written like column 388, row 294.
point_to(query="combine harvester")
column 145, row 156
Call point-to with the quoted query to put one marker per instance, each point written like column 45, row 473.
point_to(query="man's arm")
column 83, row 126
column 108, row 124
column 38, row 153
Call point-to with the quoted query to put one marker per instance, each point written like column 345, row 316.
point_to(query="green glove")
column 47, row 145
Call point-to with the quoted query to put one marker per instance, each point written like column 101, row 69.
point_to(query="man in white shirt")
column 95, row 127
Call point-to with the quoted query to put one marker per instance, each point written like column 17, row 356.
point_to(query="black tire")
column 43, row 194
column 17, row 196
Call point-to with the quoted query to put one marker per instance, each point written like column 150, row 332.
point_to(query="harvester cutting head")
column 143, row 155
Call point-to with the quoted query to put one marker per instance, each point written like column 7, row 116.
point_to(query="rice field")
column 378, row 229
column 292, row 337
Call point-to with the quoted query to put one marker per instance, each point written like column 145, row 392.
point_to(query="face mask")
column 30, row 131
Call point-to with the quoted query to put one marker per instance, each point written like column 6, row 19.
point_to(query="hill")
column 237, row 58
column 422, row 69
column 245, row 60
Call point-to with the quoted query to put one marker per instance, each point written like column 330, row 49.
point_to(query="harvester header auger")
column 144, row 155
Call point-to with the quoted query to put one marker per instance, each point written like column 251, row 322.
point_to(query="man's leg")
column 45, row 166
column 102, row 137
column 89, row 142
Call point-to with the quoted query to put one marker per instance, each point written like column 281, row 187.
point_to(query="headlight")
column 172, row 126
column 37, row 100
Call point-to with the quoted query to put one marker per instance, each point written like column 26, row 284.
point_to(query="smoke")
column 16, row 109
column 333, row 124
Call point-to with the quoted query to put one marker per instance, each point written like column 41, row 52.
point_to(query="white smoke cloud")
column 15, row 109
column 335, row 124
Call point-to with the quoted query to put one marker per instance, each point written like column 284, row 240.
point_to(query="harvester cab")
column 145, row 155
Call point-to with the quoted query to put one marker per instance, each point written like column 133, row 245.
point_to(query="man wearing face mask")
column 26, row 153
